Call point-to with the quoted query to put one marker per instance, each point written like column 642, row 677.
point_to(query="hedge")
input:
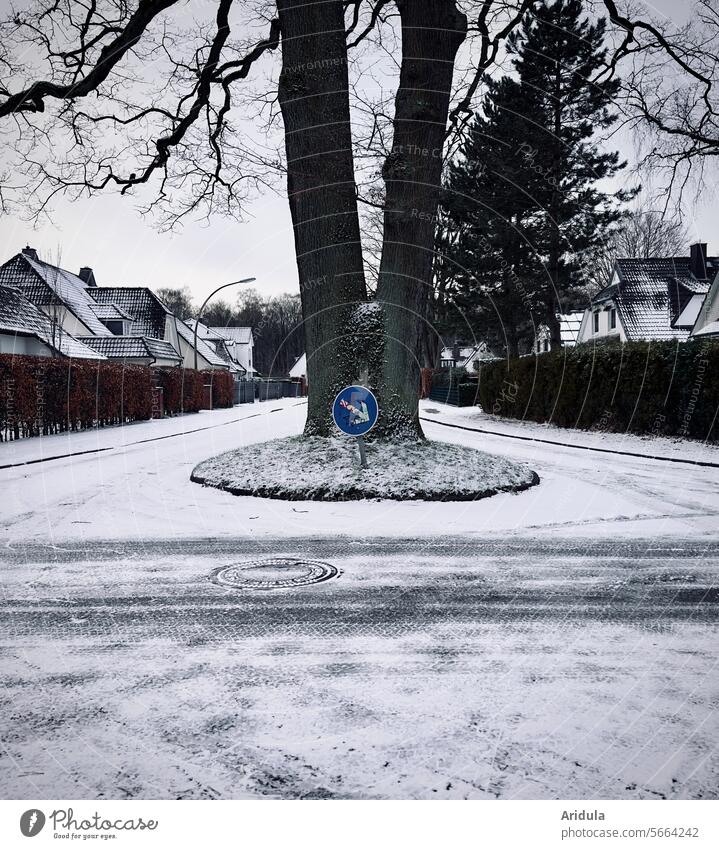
column 181, row 389
column 660, row 388
column 45, row 395
column 223, row 386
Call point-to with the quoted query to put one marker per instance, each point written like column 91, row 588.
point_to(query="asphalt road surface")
column 542, row 667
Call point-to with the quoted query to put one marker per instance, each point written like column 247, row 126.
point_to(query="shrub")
column 44, row 395
column 662, row 388
column 222, row 387
column 181, row 389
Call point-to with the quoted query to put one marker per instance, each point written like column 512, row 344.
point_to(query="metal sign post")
column 355, row 413
column 363, row 455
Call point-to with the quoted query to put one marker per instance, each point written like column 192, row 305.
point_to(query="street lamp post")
column 201, row 310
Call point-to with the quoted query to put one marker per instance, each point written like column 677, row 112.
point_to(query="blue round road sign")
column 355, row 410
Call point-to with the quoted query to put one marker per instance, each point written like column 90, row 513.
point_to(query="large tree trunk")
column 432, row 31
column 313, row 95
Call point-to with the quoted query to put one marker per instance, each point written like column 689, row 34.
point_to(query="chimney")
column 87, row 276
column 31, row 252
column 698, row 260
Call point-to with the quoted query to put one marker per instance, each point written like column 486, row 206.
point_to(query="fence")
column 271, row 390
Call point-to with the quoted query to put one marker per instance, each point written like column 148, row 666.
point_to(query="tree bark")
column 314, row 99
column 432, row 31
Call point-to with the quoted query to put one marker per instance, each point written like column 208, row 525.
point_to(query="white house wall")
column 188, row 356
column 586, row 331
column 66, row 319
column 23, row 346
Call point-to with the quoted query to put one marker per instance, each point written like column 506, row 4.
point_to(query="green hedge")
column 662, row 388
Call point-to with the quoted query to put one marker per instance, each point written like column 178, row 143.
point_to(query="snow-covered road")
column 136, row 485
column 560, row 643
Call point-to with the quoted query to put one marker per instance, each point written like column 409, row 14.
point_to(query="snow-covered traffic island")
column 327, row 469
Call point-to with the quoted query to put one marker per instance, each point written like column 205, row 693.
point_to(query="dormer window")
column 117, row 326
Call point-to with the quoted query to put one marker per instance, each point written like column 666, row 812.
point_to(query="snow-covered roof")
column 18, row 315
column 569, row 324
column 110, row 312
column 46, row 284
column 204, row 349
column 241, row 335
column 147, row 310
column 299, row 369
column 650, row 294
column 132, row 347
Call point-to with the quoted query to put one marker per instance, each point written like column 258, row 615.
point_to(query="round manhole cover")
column 276, row 573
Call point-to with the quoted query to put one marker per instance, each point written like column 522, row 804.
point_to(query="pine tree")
column 529, row 167
column 497, row 271
column 558, row 56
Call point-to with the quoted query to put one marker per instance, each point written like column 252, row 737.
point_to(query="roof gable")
column 147, row 310
column 20, row 316
column 650, row 294
column 46, row 284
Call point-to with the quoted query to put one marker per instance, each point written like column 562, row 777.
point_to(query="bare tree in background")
column 670, row 92
column 142, row 98
column 643, row 234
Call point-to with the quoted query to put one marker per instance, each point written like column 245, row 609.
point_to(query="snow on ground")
column 658, row 446
column 539, row 670
column 141, row 489
column 320, row 469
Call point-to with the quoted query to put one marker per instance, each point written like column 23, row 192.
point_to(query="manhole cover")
column 277, row 573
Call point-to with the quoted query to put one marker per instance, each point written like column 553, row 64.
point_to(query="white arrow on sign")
column 362, row 415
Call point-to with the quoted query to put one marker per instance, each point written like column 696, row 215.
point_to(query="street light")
column 219, row 288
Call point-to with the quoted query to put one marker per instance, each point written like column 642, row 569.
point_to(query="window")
column 546, row 344
column 596, row 322
column 612, row 318
column 116, row 327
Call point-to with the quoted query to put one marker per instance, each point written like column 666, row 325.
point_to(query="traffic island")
column 303, row 468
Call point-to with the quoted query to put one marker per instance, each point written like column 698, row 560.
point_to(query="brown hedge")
column 181, row 389
column 44, row 395
column 222, row 387
column 662, row 388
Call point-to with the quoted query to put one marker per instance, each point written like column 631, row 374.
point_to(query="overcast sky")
column 108, row 234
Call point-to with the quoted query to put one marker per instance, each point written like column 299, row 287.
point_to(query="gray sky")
column 108, row 234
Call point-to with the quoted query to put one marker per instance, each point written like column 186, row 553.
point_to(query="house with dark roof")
column 239, row 344
column 130, row 324
column 651, row 299
column 140, row 350
column 58, row 293
column 207, row 355
column 26, row 330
